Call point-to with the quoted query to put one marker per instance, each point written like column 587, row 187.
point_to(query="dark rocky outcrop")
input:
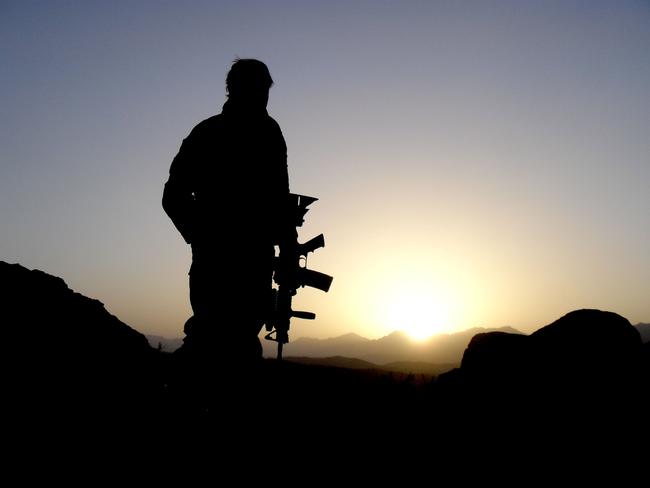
column 67, row 352
column 494, row 352
column 589, row 343
column 587, row 356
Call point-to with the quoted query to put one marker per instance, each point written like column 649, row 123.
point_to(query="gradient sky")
column 478, row 163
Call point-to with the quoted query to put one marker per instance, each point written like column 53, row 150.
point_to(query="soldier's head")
column 248, row 82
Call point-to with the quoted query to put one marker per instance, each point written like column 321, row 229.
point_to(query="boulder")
column 585, row 357
column 588, row 340
column 66, row 351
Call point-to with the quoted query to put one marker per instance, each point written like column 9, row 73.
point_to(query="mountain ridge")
column 355, row 346
column 446, row 348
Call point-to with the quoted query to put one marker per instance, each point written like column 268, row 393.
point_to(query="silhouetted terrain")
column 68, row 357
column 405, row 367
column 585, row 358
column 74, row 365
column 417, row 367
column 334, row 361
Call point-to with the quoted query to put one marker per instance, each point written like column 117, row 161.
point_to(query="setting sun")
column 414, row 303
column 417, row 314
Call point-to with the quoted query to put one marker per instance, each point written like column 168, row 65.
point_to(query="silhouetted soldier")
column 226, row 193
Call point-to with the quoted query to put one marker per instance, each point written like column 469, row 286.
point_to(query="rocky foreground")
column 70, row 361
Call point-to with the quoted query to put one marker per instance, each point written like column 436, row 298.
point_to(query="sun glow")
column 418, row 296
column 419, row 312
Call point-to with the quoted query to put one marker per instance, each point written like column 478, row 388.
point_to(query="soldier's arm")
column 285, row 226
column 178, row 195
column 280, row 185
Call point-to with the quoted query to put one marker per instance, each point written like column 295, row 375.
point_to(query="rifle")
column 289, row 275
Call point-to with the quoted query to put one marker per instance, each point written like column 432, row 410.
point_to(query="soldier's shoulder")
column 208, row 124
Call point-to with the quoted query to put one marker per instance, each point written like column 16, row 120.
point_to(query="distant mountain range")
column 395, row 347
column 436, row 352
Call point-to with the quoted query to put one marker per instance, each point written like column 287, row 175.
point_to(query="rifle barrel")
column 303, row 315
